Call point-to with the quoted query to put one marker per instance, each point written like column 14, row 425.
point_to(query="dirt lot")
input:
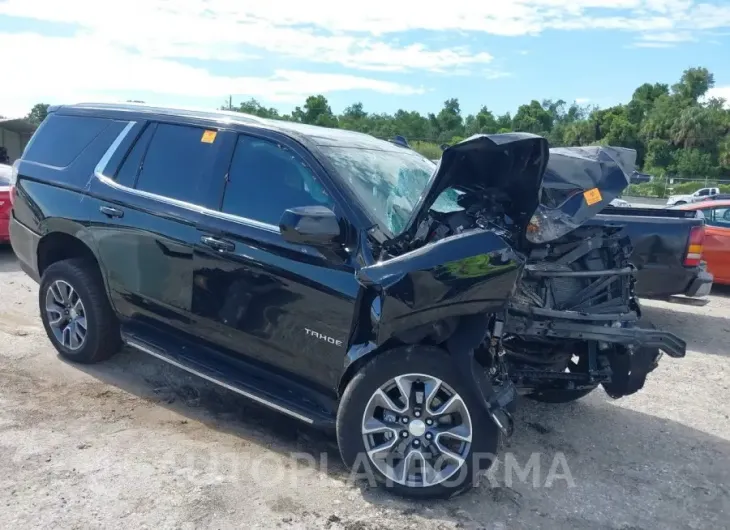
column 132, row 443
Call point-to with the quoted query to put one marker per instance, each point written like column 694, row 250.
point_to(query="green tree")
column 316, row 111
column 676, row 132
column 695, row 83
column 255, row 108
column 38, row 113
column 483, row 122
column 533, row 118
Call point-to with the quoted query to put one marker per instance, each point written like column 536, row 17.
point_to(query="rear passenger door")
column 254, row 293
column 146, row 217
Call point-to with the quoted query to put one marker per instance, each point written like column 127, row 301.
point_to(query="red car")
column 5, row 171
column 716, row 251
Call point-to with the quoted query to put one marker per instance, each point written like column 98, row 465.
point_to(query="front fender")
column 469, row 273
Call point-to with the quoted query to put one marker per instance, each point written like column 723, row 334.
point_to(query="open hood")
column 578, row 183
column 510, row 163
column 545, row 192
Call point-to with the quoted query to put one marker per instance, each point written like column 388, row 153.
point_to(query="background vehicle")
column 667, row 249
column 273, row 259
column 699, row 195
column 5, row 172
column 717, row 236
column 620, row 203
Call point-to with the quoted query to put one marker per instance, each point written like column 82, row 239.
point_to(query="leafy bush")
column 428, row 149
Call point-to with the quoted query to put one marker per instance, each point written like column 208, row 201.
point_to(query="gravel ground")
column 133, row 443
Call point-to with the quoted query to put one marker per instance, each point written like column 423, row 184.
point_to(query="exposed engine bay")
column 571, row 321
column 571, row 290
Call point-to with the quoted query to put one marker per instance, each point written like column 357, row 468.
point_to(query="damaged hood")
column 578, row 183
column 512, row 163
column 547, row 192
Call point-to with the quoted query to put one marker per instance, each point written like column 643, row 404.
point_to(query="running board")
column 228, row 373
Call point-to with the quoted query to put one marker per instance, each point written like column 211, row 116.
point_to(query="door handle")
column 217, row 244
column 110, row 211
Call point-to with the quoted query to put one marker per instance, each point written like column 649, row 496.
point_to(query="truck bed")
column 660, row 238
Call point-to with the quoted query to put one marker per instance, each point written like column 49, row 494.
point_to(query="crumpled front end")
column 578, row 183
column 576, row 299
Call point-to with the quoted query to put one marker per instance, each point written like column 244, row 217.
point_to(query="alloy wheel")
column 66, row 315
column 417, row 430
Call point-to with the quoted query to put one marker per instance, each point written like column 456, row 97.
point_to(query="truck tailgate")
column 660, row 239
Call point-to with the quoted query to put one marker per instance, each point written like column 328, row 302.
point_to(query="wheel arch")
column 64, row 239
column 450, row 334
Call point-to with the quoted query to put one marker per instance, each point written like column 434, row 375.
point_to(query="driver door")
column 255, row 294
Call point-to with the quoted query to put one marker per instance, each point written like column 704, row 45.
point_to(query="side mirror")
column 317, row 226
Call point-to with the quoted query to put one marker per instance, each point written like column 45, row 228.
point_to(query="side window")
column 703, row 192
column 719, row 217
column 265, row 179
column 177, row 159
column 60, row 139
column 127, row 174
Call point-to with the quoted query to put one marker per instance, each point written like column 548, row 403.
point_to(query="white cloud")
column 582, row 101
column 664, row 39
column 353, row 34
column 133, row 45
column 64, row 70
column 650, row 44
column 720, row 92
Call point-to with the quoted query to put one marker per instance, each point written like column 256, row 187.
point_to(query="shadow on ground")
column 704, row 333
column 8, row 261
column 635, row 469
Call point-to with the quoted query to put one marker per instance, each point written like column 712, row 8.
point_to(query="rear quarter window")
column 61, row 139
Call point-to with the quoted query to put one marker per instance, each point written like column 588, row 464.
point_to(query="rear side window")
column 61, row 139
column 178, row 158
column 127, row 174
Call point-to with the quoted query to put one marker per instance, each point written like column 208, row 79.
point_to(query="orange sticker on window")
column 592, row 196
column 208, row 137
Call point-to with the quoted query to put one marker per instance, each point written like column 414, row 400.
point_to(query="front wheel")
column 409, row 422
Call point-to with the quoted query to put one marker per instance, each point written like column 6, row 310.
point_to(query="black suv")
column 343, row 280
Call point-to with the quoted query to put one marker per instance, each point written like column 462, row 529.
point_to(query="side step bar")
column 225, row 373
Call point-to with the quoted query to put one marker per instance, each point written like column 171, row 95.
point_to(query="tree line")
column 676, row 130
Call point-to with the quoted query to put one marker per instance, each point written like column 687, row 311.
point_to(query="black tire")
column 429, row 361
column 102, row 338
column 678, row 203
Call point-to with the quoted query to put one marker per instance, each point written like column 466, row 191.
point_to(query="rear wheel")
column 408, row 422
column 76, row 313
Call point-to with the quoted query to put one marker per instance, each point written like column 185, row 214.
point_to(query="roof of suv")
column 321, row 136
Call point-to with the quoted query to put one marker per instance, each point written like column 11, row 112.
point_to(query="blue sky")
column 386, row 54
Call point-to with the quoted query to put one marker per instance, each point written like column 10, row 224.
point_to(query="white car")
column 699, row 195
column 620, row 203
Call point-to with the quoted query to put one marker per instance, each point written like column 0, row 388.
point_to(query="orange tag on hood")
column 592, row 196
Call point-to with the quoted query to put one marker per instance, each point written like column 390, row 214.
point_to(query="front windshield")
column 388, row 183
